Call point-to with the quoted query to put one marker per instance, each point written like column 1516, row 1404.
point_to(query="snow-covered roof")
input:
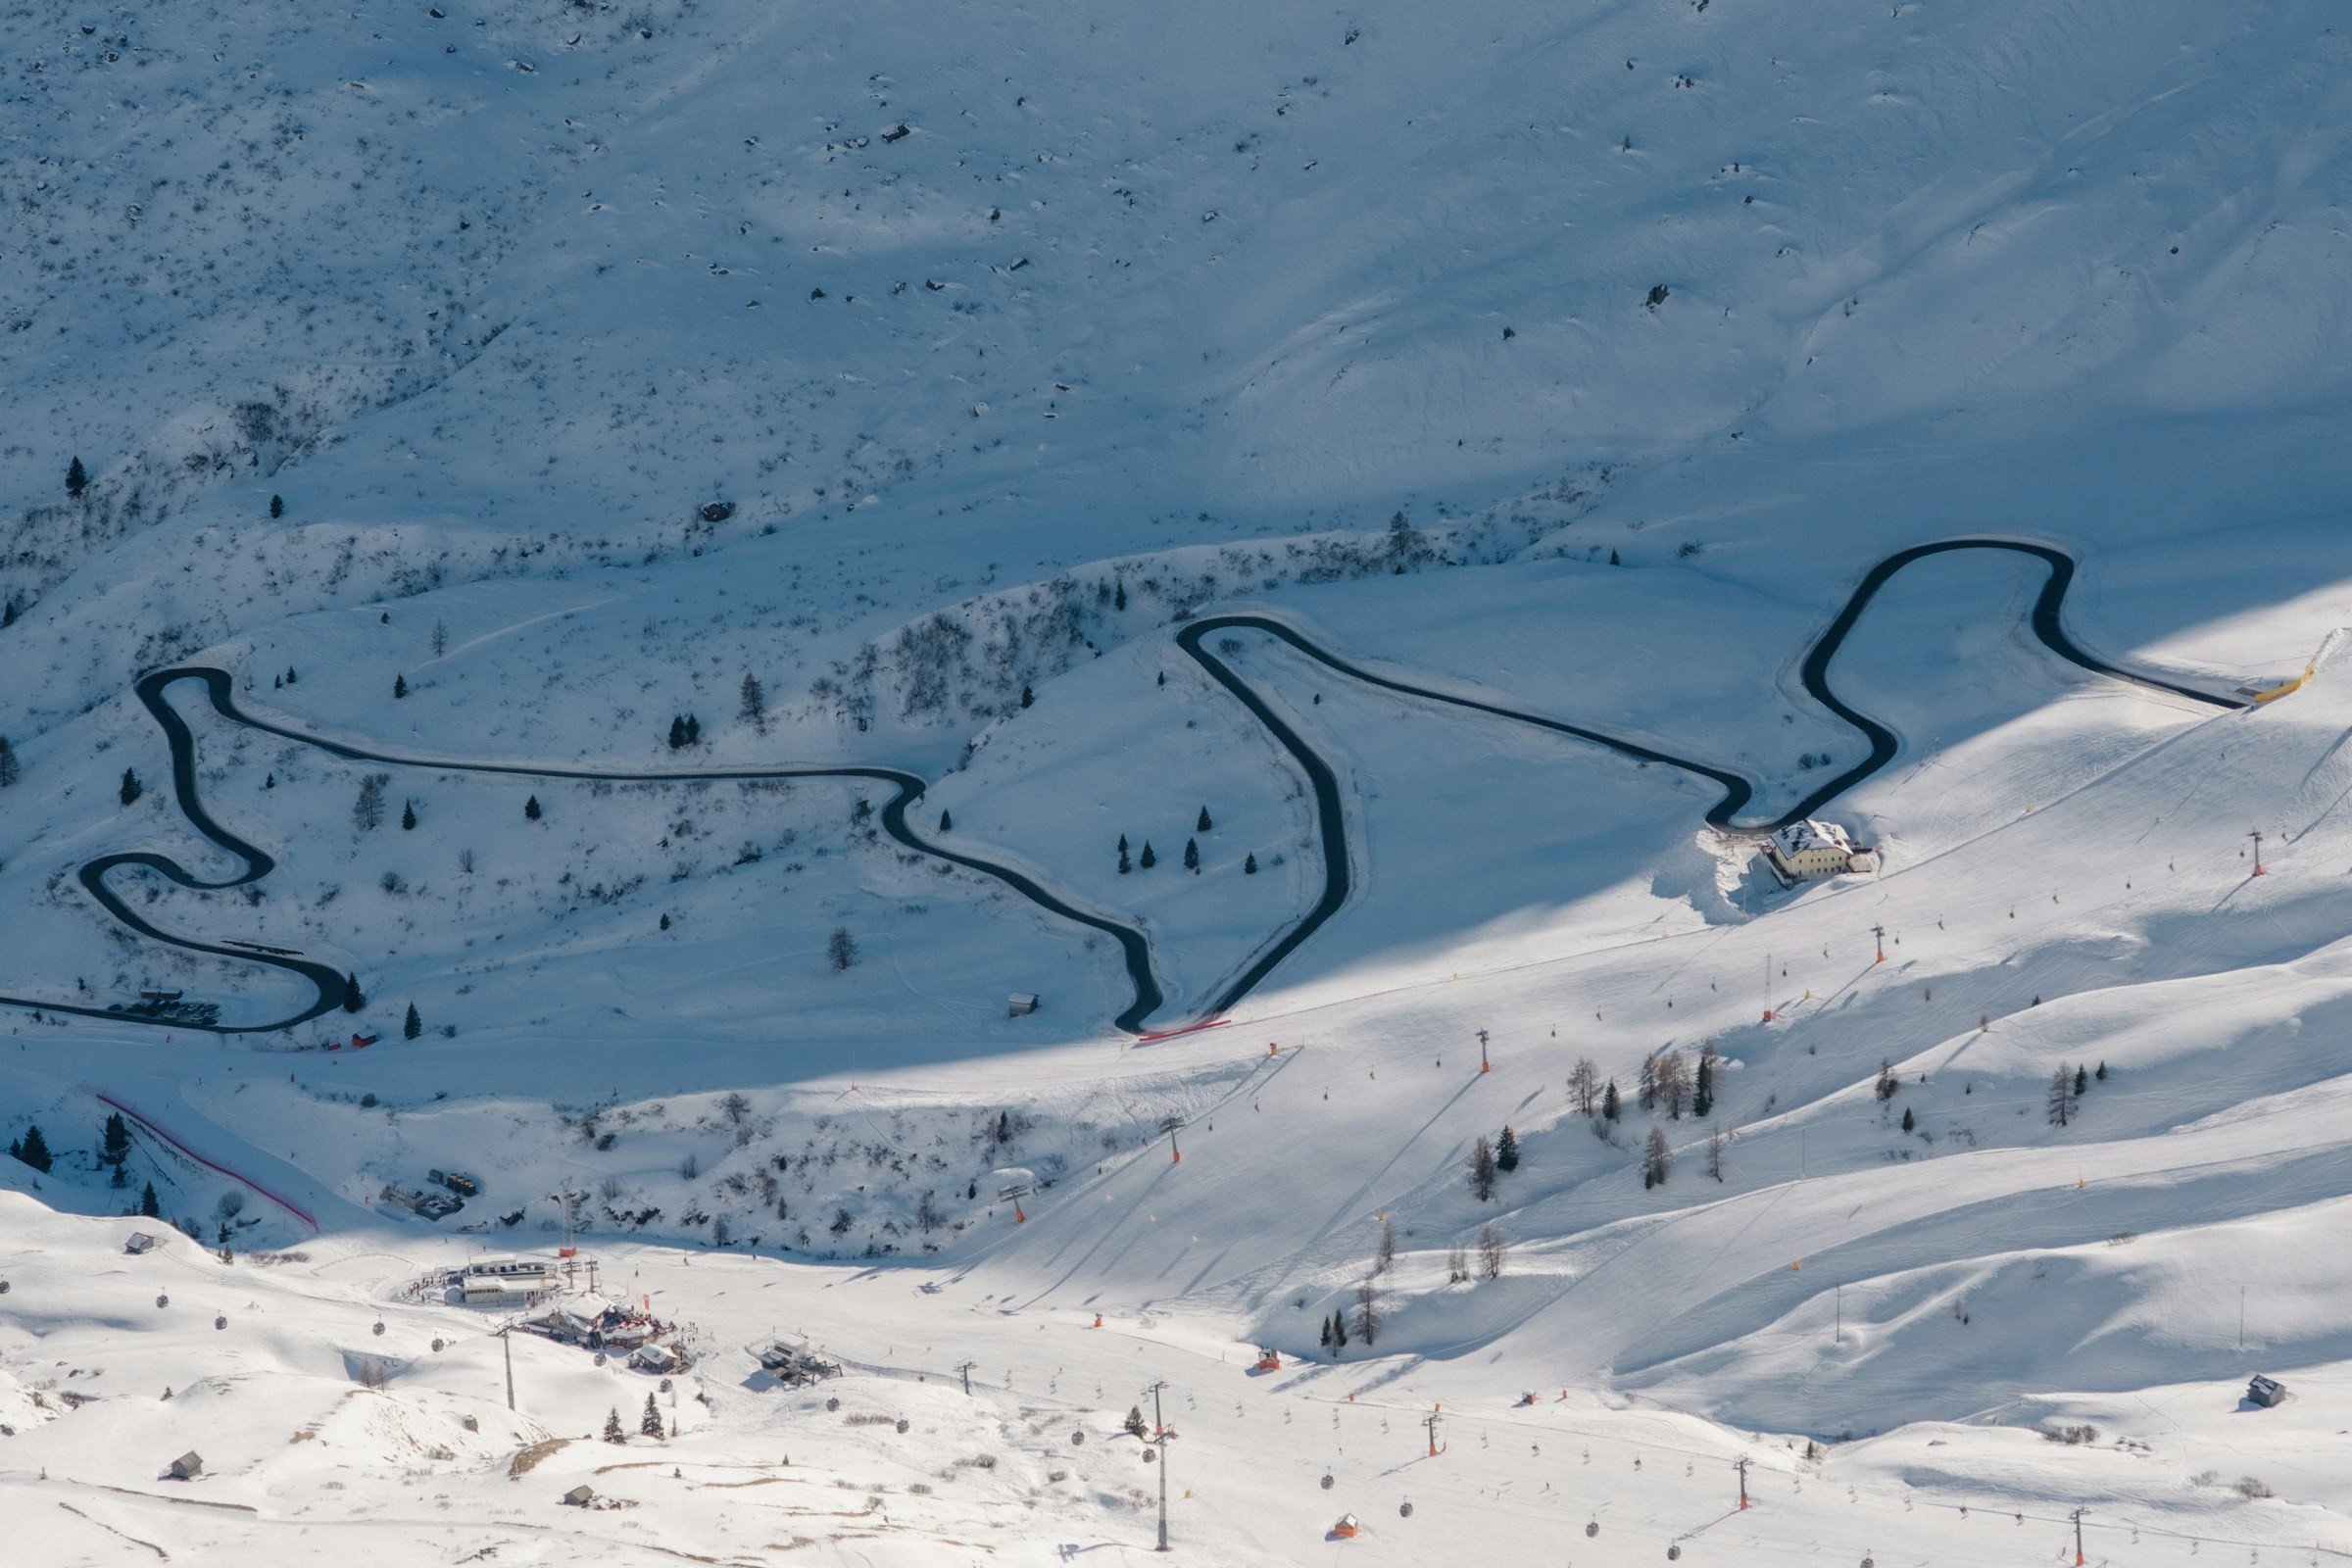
column 1811, row 834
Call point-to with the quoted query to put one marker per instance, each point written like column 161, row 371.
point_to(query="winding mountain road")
column 330, row 984
column 2044, row 621
column 1738, row 791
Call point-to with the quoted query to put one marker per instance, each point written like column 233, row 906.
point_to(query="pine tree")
column 1610, row 1108
column 1191, row 856
column 2081, row 1083
column 77, row 479
column 946, row 823
column 413, row 1025
column 353, row 1000
column 840, row 948
column 114, row 1145
column 1250, row 863
column 1327, row 1333
column 1482, row 1169
column 1339, row 1331
column 400, row 686
column 149, row 1208
column 664, row 922
column 677, row 731
column 1507, row 1151
column 277, row 507
column 694, row 730
column 290, row 676
column 1150, row 859
column 1702, row 1088
column 650, row 1424
column 34, row 1150
column 1125, row 865
column 7, row 763
column 1657, row 1161
column 1909, row 1125
column 8, row 611
column 1888, row 1083
column 1202, row 826
column 408, row 816
column 530, row 809
column 2100, row 1075
column 1027, row 696
column 613, row 1432
column 1118, row 598
column 753, row 710
column 1646, row 1086
column 131, row 787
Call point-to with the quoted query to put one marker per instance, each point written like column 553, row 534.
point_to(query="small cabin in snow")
column 187, row 1467
column 1810, row 848
column 2266, row 1391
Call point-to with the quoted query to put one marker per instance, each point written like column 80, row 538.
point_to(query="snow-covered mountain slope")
column 490, row 389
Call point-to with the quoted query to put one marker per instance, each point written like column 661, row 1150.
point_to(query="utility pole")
column 1159, row 1441
column 508, row 1346
column 1429, row 1421
column 1169, row 1125
column 1742, row 1467
column 2241, row 1317
column 1484, row 1066
column 1841, row 1299
column 1768, row 988
column 1014, row 1195
column 2078, row 1513
column 1879, row 935
column 966, row 1370
column 2256, row 836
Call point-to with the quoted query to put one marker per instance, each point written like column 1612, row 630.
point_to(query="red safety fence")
column 295, row 1209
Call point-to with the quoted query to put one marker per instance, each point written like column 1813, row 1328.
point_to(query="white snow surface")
column 1573, row 357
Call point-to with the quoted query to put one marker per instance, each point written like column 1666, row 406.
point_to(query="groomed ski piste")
column 789, row 651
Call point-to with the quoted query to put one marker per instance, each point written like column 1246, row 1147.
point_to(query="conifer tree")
column 149, row 1208
column 408, row 816
column 1507, row 1151
column 530, row 809
column 613, row 1432
column 1327, row 1333
column 33, row 1150
column 114, row 1145
column 694, row 730
column 1191, row 856
column 1027, row 696
column 77, row 479
column 1702, row 1085
column 840, row 948
column 1202, row 826
column 1338, row 1332
column 1610, row 1109
column 277, row 507
column 413, row 1025
column 946, row 823
column 651, row 1424
column 132, row 789
column 2081, row 1083
column 677, row 731
column 400, row 686
column 1250, row 863
column 753, row 710
column 1150, row 859
column 1909, row 1125
column 352, row 1000
column 7, row 763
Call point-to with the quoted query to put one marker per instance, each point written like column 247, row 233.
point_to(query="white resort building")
column 1812, row 849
